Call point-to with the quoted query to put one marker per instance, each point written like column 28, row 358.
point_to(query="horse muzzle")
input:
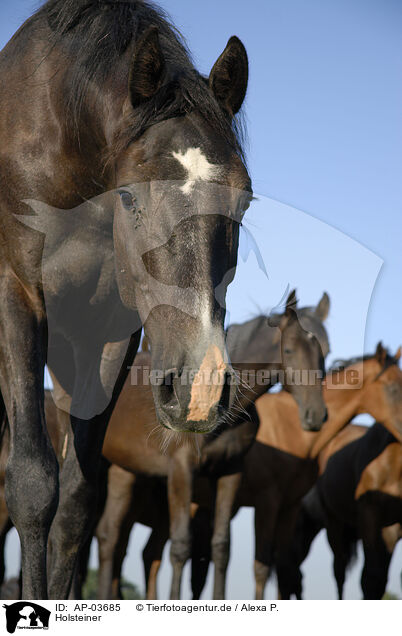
column 312, row 420
column 194, row 401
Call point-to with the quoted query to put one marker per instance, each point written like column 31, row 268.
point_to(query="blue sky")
column 325, row 141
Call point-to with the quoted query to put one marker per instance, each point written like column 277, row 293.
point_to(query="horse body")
column 133, row 442
column 360, row 497
column 296, row 355
column 131, row 498
column 101, row 100
column 282, row 465
column 379, row 502
column 310, row 518
column 356, row 456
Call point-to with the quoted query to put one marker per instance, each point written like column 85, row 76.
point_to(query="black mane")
column 341, row 364
column 96, row 34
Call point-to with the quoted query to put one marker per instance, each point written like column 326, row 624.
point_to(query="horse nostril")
column 226, row 396
column 309, row 416
column 325, row 416
column 167, row 394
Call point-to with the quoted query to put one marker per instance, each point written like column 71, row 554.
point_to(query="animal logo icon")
column 26, row 615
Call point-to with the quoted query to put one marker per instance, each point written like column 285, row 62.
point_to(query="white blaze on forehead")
column 206, row 314
column 198, row 167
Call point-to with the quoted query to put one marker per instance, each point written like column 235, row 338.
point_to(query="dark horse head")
column 304, row 347
column 178, row 186
column 180, row 191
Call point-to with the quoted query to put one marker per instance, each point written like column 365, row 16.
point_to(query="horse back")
column 338, row 484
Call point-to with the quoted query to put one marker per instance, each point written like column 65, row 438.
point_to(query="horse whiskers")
column 240, row 415
column 232, row 415
column 237, row 404
column 234, row 412
column 245, row 385
column 154, row 430
column 228, row 419
column 169, row 437
column 239, row 409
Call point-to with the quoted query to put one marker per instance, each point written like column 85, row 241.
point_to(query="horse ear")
column 229, row 76
column 380, row 353
column 291, row 303
column 147, row 67
column 322, row 309
column 274, row 320
column 281, row 320
column 398, row 354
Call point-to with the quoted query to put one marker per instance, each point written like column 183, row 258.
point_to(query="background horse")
column 281, row 466
column 111, row 104
column 311, row 519
column 144, row 501
column 134, row 442
column 257, row 342
column 303, row 362
column 357, row 497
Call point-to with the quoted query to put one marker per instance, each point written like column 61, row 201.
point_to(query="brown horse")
column 311, row 520
column 133, row 443
column 358, row 497
column 379, row 510
column 293, row 342
column 100, row 99
column 282, row 465
column 131, row 499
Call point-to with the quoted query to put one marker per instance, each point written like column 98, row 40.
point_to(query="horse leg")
column 78, row 491
column 120, row 552
column 341, row 549
column 377, row 554
column 227, row 489
column 375, row 571
column 307, row 528
column 118, row 503
column 5, row 521
column 32, row 470
column 180, row 482
column 79, row 480
column 261, row 576
column 264, row 526
column 152, row 558
column 201, row 552
column 5, row 528
column 288, row 580
column 81, row 568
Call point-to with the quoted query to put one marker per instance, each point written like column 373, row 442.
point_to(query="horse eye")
column 127, row 200
column 393, row 388
column 287, row 350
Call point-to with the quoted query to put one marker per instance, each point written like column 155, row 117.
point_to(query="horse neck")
column 282, row 429
column 254, row 348
column 94, row 130
column 342, row 405
column 348, row 434
column 369, row 403
column 389, row 425
column 280, row 425
column 76, row 146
